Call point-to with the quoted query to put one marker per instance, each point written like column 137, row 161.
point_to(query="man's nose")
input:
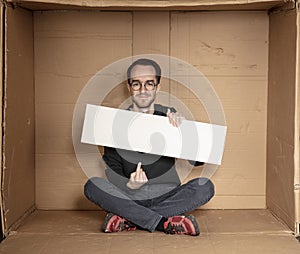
column 142, row 89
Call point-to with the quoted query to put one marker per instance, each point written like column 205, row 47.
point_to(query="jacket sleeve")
column 114, row 170
column 196, row 163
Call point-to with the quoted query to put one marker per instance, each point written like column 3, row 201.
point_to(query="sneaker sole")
column 193, row 220
column 106, row 220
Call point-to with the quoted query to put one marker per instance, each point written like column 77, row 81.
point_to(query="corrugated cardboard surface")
column 152, row 4
column 18, row 170
column 281, row 116
column 151, row 35
column 230, row 48
column 297, row 133
column 218, row 44
column 222, row 232
column 70, row 47
column 1, row 94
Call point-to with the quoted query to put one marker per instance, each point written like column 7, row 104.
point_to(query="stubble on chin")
column 143, row 103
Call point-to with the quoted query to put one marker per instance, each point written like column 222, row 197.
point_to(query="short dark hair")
column 145, row 62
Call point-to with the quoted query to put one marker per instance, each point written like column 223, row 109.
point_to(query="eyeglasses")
column 136, row 85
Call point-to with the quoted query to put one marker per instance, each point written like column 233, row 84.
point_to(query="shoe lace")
column 174, row 228
column 126, row 225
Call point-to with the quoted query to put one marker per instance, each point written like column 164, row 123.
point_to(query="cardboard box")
column 247, row 49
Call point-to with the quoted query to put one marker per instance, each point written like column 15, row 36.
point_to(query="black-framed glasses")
column 136, row 85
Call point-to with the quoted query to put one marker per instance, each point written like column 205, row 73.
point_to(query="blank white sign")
column 153, row 134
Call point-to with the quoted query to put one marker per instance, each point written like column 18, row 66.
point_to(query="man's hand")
column 137, row 178
column 175, row 118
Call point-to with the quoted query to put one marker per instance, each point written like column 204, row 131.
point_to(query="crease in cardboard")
column 287, row 6
column 21, row 220
column 151, row 5
column 68, row 75
column 251, row 233
column 297, row 130
column 3, row 102
column 280, row 214
column 2, row 110
column 134, row 3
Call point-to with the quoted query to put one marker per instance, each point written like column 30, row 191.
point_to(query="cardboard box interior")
column 222, row 232
column 50, row 55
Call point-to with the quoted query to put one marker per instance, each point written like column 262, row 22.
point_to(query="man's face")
column 143, row 98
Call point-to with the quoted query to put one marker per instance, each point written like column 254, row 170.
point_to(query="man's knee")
column 203, row 185
column 91, row 185
column 209, row 186
column 87, row 188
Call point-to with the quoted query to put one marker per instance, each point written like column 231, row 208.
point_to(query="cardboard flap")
column 153, row 5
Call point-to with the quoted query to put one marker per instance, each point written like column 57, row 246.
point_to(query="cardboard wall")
column 230, row 48
column 281, row 115
column 218, row 44
column 1, row 94
column 19, row 120
column 70, row 47
column 297, row 134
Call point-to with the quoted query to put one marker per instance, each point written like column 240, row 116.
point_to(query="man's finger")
column 132, row 176
column 171, row 118
column 169, row 115
column 139, row 167
column 168, row 112
column 145, row 179
column 138, row 175
column 178, row 119
column 175, row 120
column 138, row 171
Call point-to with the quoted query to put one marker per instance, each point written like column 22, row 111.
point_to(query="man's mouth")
column 142, row 96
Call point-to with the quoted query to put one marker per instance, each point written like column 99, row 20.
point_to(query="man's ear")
column 128, row 87
column 157, row 87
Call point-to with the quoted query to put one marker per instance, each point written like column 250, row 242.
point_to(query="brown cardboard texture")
column 297, row 137
column 59, row 185
column 51, row 55
column 152, row 5
column 1, row 95
column 280, row 137
column 19, row 120
column 222, row 232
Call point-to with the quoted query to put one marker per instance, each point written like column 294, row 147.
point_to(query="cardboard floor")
column 222, row 231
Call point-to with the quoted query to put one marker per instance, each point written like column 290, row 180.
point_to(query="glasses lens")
column 136, row 85
column 149, row 85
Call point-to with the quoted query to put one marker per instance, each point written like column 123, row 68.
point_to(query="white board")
column 153, row 134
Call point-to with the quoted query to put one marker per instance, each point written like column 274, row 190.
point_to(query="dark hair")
column 147, row 62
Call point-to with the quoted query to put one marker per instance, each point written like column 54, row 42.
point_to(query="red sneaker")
column 114, row 223
column 182, row 225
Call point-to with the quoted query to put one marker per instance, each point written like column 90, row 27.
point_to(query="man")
column 144, row 190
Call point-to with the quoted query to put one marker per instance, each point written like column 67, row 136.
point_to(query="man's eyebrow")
column 139, row 80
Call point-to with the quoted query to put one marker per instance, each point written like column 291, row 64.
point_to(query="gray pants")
column 138, row 208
